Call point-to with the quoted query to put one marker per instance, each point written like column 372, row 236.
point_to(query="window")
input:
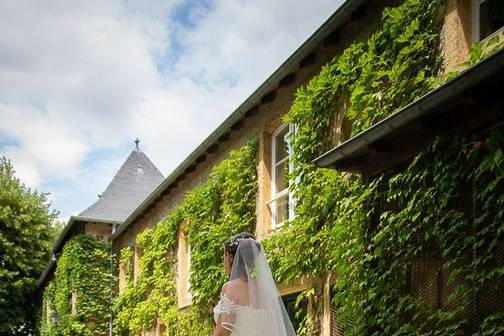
column 488, row 17
column 73, row 303
column 136, row 263
column 337, row 328
column 282, row 203
column 54, row 317
column 296, row 310
column 183, row 270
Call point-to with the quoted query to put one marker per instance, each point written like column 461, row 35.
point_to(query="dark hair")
column 231, row 245
column 248, row 254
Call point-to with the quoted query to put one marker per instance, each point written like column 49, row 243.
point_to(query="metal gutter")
column 46, row 272
column 337, row 19
column 423, row 106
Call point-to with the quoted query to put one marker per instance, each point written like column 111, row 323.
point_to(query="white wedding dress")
column 247, row 321
column 249, row 304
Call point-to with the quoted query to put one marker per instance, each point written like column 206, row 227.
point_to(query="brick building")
column 134, row 180
column 260, row 117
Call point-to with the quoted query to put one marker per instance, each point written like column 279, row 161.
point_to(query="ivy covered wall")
column 367, row 82
column 387, row 241
column 440, row 217
column 222, row 206
column 77, row 299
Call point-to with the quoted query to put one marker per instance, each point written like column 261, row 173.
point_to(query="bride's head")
column 242, row 240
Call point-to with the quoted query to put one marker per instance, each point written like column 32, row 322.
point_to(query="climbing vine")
column 373, row 236
column 126, row 263
column 83, row 275
column 445, row 211
column 441, row 214
column 367, row 82
column 222, row 206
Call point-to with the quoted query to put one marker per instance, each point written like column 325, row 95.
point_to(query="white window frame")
column 476, row 24
column 275, row 196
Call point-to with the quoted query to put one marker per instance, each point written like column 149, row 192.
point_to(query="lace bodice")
column 224, row 306
column 241, row 320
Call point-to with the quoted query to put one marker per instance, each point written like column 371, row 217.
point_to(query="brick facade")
column 456, row 41
column 99, row 231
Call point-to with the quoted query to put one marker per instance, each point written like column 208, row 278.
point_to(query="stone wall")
column 100, row 231
column 455, row 40
column 456, row 33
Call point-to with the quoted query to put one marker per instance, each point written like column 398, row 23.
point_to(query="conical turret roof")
column 134, row 181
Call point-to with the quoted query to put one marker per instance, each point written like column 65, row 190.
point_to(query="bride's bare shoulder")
column 234, row 287
column 235, row 284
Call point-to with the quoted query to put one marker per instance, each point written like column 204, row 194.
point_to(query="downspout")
column 112, row 256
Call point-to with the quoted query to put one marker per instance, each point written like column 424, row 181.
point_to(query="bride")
column 249, row 304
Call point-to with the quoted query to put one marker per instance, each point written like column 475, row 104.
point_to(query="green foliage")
column 154, row 291
column 126, row 261
column 484, row 49
column 25, row 242
column 479, row 51
column 396, row 65
column 222, row 206
column 367, row 82
column 445, row 209
column 371, row 235
column 84, row 270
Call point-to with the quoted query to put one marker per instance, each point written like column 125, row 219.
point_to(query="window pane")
column 491, row 17
column 281, row 181
column 290, row 307
column 282, row 209
column 281, row 148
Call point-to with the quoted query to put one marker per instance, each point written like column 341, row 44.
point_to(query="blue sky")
column 80, row 80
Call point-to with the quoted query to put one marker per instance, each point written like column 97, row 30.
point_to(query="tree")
column 26, row 236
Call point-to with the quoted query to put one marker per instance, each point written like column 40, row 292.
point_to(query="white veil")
column 253, row 294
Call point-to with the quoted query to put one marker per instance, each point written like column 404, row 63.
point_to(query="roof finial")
column 137, row 141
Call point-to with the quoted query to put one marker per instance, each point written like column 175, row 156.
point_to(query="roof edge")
column 337, row 19
column 414, row 110
column 70, row 226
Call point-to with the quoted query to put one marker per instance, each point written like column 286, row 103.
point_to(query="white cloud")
column 71, row 77
column 80, row 77
column 43, row 144
column 235, row 47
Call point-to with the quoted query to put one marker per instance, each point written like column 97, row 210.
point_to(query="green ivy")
column 478, row 52
column 222, row 206
column 371, row 235
column 367, row 82
column 84, row 268
column 446, row 209
column 395, row 66
column 126, row 261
